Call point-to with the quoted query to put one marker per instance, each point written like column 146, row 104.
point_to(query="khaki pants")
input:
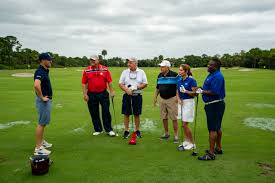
column 169, row 108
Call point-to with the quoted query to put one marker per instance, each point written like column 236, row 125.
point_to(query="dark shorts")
column 214, row 114
column 136, row 104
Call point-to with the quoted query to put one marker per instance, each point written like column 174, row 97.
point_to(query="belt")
column 214, row 101
column 96, row 92
column 133, row 94
column 49, row 97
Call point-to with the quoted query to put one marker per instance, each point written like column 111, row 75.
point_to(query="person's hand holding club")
column 199, row 91
column 86, row 98
column 133, row 87
column 182, row 89
column 129, row 91
column 112, row 94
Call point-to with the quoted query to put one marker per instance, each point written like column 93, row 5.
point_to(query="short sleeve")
column 38, row 75
column 157, row 86
column 84, row 78
column 109, row 77
column 217, row 84
column 122, row 78
column 194, row 83
column 144, row 78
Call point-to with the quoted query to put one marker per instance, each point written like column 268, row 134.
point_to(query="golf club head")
column 133, row 140
column 194, row 153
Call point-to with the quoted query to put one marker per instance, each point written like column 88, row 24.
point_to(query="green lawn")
column 80, row 157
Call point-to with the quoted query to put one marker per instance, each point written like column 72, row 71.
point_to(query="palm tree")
column 160, row 58
column 104, row 53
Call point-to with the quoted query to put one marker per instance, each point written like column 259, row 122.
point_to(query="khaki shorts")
column 169, row 108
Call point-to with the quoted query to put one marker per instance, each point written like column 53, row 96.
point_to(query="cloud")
column 143, row 29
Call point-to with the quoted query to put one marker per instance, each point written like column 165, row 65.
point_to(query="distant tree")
column 104, row 53
column 160, row 58
column 8, row 46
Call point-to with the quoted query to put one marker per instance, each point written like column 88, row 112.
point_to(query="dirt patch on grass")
column 246, row 70
column 13, row 123
column 262, row 123
column 23, row 75
column 267, row 169
column 260, row 105
column 145, row 125
column 58, row 106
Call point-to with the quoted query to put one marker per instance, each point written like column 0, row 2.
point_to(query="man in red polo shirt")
column 95, row 80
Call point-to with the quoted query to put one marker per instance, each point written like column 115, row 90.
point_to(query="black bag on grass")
column 40, row 164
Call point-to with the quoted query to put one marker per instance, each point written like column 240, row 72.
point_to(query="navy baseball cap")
column 45, row 56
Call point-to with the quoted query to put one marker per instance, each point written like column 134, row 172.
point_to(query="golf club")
column 132, row 111
column 114, row 115
column 181, row 124
column 181, row 148
column 132, row 117
column 194, row 153
column 133, row 140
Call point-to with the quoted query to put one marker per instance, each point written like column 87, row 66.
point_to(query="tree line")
column 13, row 56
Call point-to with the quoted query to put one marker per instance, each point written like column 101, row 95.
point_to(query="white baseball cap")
column 165, row 63
column 132, row 59
column 94, row 57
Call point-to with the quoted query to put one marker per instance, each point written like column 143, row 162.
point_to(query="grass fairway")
column 80, row 157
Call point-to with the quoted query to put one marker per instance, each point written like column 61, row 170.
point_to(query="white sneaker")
column 41, row 151
column 45, row 144
column 185, row 143
column 112, row 133
column 190, row 146
column 96, row 133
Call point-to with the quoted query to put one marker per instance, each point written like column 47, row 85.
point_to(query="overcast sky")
column 143, row 28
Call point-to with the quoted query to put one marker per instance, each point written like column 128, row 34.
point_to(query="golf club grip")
column 132, row 110
column 196, row 114
column 114, row 112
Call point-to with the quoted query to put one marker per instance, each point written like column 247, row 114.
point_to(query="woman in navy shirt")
column 186, row 87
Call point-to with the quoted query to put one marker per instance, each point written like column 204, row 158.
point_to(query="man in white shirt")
column 132, row 81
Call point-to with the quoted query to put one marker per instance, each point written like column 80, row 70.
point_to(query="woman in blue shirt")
column 186, row 87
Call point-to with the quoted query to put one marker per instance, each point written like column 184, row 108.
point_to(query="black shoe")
column 165, row 137
column 138, row 133
column 216, row 151
column 126, row 134
column 207, row 156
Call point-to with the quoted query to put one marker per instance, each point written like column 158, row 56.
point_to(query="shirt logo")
column 101, row 73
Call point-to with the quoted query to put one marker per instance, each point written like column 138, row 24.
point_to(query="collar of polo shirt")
column 135, row 70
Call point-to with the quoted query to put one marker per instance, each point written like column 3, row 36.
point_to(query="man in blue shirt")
column 43, row 90
column 213, row 94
